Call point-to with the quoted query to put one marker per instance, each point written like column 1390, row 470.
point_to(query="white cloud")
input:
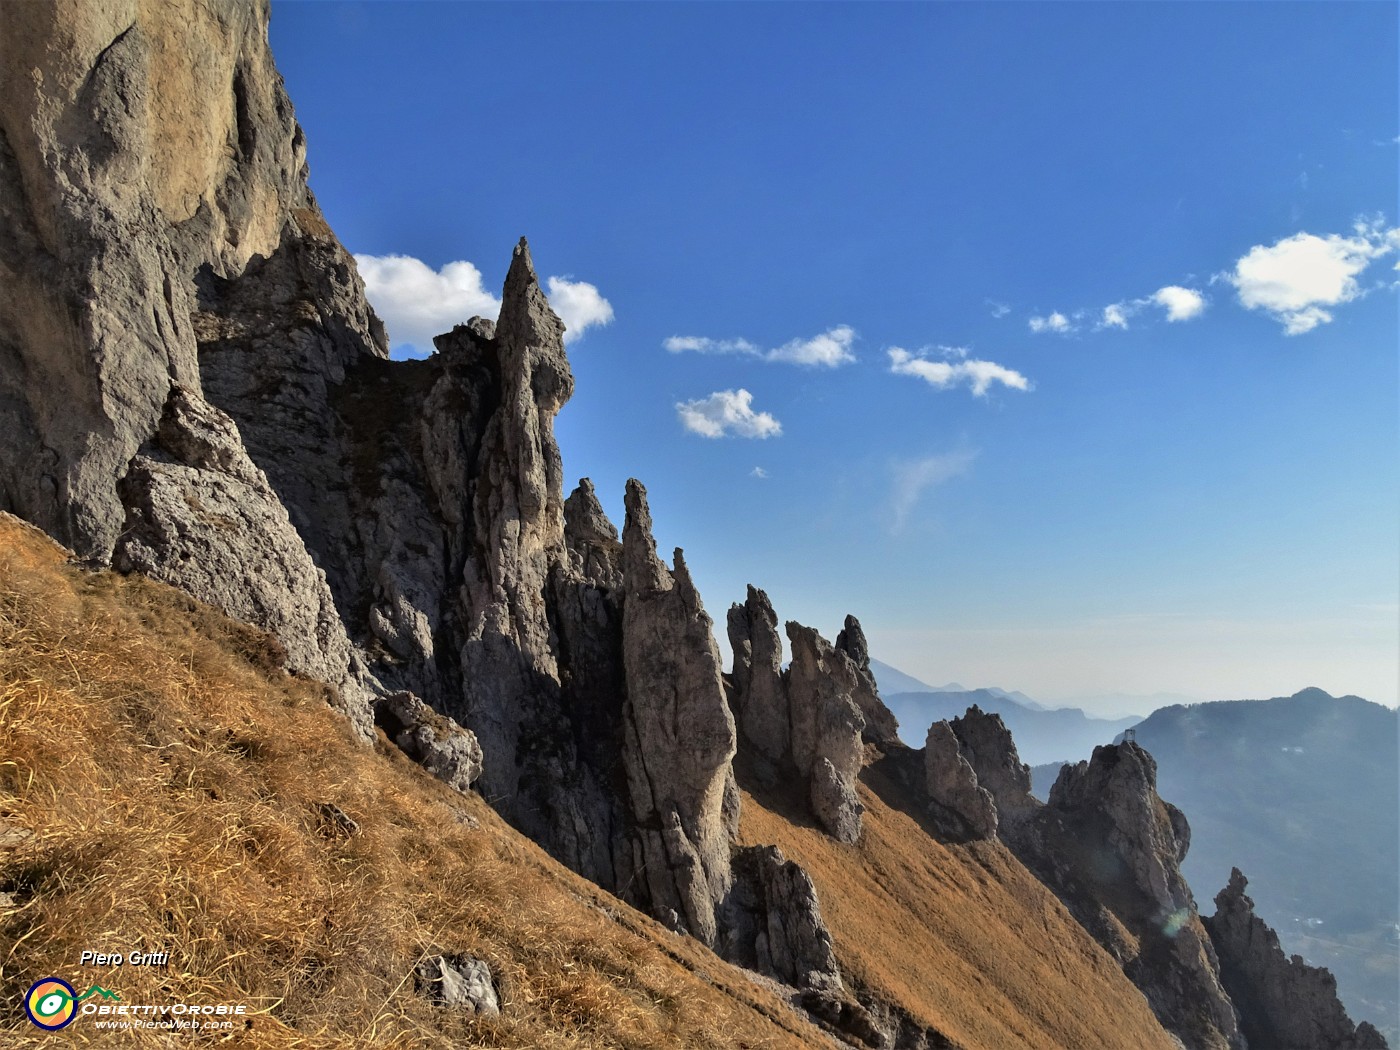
column 830, row 349
column 758, row 472
column 699, row 344
column 1298, row 278
column 1181, row 304
column 1116, row 315
column 914, row 477
column 579, row 305
column 999, row 310
column 979, row 375
column 416, row 302
column 1055, row 322
column 726, row 412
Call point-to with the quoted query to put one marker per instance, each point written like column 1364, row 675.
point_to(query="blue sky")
column 1057, row 342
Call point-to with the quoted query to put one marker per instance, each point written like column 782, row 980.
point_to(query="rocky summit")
column 194, row 389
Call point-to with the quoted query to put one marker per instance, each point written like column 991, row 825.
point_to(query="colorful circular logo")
column 51, row 1003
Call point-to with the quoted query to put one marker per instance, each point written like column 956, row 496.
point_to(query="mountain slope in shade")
column 1041, row 735
column 1300, row 793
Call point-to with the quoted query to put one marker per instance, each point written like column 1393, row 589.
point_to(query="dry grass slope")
column 962, row 935
column 159, row 788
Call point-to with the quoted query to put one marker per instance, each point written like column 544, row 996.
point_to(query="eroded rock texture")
column 881, row 726
column 953, row 786
column 760, row 696
column 1110, row 848
column 809, row 721
column 1283, row 1003
column 679, row 733
column 137, row 150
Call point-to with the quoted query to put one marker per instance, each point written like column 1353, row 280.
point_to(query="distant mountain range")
column 1042, row 734
column 1299, row 793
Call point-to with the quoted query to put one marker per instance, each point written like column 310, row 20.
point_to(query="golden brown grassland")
column 159, row 788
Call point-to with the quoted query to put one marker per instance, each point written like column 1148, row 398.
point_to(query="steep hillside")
column 162, row 784
column 959, row 932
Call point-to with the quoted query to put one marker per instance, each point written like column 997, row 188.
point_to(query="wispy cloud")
column 416, row 302
column 956, row 368
column 726, row 412
column 1178, row 304
column 830, row 349
column 758, row 472
column 679, row 344
column 1116, row 315
column 1299, row 280
column 1053, row 322
column 912, row 478
column 999, row 310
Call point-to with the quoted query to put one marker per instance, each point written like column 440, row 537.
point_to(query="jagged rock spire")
column 761, row 705
column 881, row 726
column 680, row 734
column 595, row 552
column 826, row 729
column 1109, row 846
column 952, row 783
column 1283, row 1003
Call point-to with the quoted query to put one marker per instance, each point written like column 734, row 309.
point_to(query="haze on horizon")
column 1055, row 342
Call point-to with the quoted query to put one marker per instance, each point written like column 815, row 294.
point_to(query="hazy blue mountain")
column 1042, row 735
column 1302, row 794
column 892, row 680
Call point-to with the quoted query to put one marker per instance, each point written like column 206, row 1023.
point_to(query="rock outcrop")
column 881, row 726
column 434, row 741
column 138, row 150
column 679, row 734
column 460, row 982
column 811, row 720
column 972, row 771
column 826, row 729
column 1283, row 1003
column 1110, row 848
column 952, row 784
column 778, row 927
column 760, row 696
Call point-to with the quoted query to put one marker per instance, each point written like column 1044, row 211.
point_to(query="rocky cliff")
column 1283, row 1002
column 1111, row 849
column 193, row 387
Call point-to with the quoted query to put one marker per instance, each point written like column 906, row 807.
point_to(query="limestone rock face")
column 778, row 928
column 460, row 982
column 986, row 743
column 953, row 784
column 435, row 742
column 826, row 729
column 595, row 553
column 881, row 726
column 142, row 145
column 1108, row 846
column 1283, row 1003
column 680, row 734
column 761, row 704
